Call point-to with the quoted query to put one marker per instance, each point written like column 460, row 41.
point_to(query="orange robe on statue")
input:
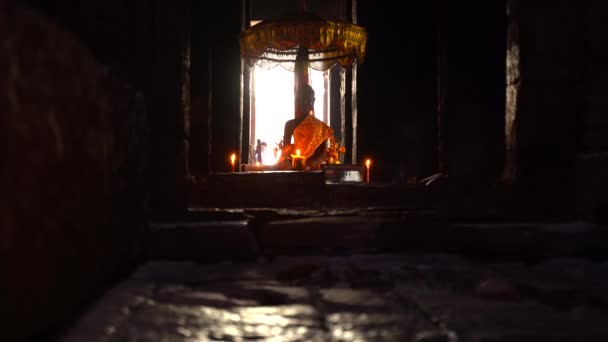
column 309, row 134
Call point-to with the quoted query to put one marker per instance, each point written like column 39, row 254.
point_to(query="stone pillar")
column 441, row 9
column 200, row 92
column 225, row 125
column 168, row 90
column 512, row 93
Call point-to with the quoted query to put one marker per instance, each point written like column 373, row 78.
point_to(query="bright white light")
column 317, row 80
column 274, row 105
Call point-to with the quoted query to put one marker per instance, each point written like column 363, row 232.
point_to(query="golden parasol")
column 301, row 40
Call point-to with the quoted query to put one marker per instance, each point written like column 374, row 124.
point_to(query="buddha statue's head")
column 305, row 101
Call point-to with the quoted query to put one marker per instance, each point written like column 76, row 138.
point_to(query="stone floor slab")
column 362, row 297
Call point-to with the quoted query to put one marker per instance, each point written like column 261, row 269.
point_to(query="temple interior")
column 303, row 170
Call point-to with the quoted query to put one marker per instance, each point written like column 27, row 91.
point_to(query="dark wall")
column 558, row 105
column 120, row 34
column 224, row 25
column 593, row 161
column 550, row 100
column 168, row 98
column 147, row 44
column 200, row 87
column 475, row 37
column 216, row 72
column 396, row 89
column 74, row 147
column 273, row 9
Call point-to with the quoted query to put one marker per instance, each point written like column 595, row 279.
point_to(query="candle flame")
column 232, row 158
column 257, row 163
column 298, row 152
column 368, row 162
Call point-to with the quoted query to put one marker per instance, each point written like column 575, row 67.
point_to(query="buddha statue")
column 309, row 133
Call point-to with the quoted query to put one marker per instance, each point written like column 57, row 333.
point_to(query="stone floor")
column 361, row 297
column 366, row 274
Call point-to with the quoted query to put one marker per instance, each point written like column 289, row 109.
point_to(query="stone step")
column 268, row 232
column 283, row 189
column 201, row 241
column 499, row 240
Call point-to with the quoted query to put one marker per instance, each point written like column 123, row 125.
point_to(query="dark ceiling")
column 271, row 9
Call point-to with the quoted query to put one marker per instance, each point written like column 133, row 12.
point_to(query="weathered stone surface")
column 233, row 310
column 73, row 176
column 274, row 189
column 349, row 233
column 554, row 93
column 239, row 234
column 553, row 314
column 286, row 189
column 364, row 315
column 429, row 297
column 475, row 320
column 380, row 195
column 202, row 241
column 498, row 288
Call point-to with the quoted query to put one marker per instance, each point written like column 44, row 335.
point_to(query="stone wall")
column 224, row 116
column 595, row 73
column 556, row 104
column 73, row 142
column 592, row 162
column 396, row 90
column 550, row 94
column 474, row 36
column 146, row 43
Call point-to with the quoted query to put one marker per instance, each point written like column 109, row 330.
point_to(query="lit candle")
column 297, row 160
column 368, row 162
column 232, row 160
